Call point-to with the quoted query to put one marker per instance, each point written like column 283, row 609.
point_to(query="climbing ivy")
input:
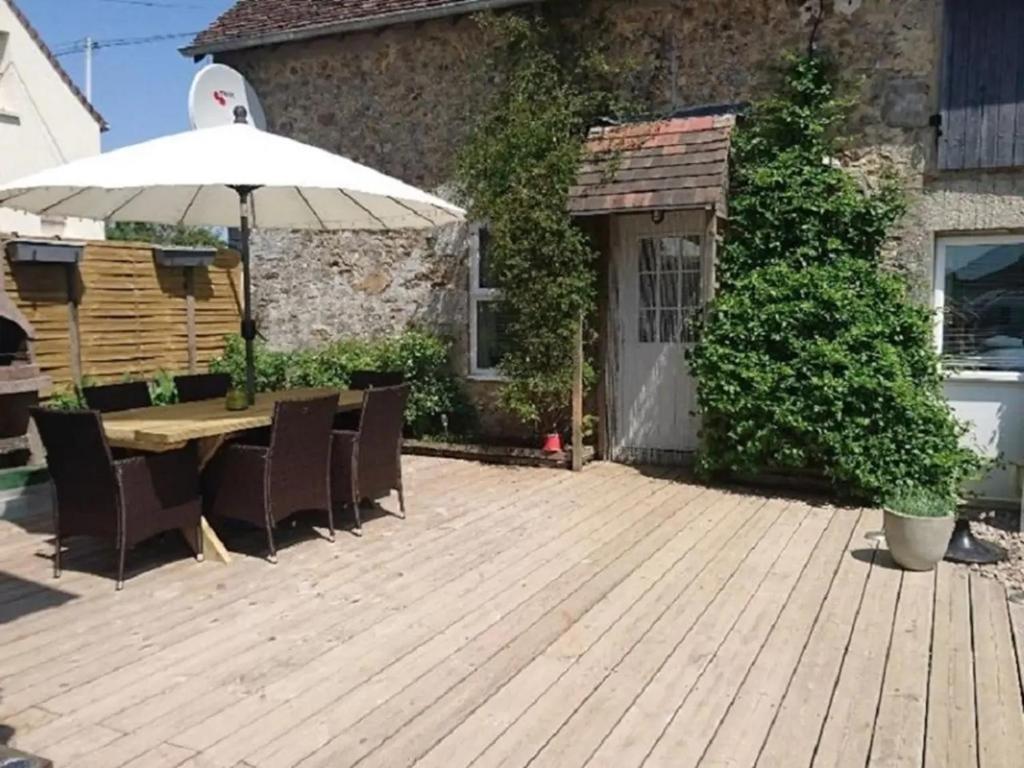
column 554, row 78
column 812, row 355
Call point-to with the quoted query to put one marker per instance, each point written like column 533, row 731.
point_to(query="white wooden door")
column 659, row 277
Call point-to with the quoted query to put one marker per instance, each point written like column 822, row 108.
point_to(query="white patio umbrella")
column 233, row 175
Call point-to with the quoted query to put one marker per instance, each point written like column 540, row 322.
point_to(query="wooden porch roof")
column 675, row 163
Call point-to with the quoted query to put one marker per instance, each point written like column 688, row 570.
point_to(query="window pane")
column 691, row 252
column 485, row 269
column 648, row 326
column 983, row 325
column 691, row 289
column 490, row 331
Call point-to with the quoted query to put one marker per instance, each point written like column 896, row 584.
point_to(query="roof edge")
column 33, row 33
column 453, row 8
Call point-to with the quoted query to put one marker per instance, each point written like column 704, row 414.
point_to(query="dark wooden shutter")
column 982, row 97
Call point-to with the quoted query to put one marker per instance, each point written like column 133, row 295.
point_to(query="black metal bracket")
column 249, row 331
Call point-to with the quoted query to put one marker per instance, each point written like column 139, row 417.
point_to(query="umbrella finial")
column 241, row 114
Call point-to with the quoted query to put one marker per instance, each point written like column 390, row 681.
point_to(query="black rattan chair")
column 367, row 463
column 264, row 484
column 109, row 398
column 202, row 386
column 125, row 500
column 349, row 420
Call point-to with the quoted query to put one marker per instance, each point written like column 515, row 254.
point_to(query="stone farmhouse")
column 394, row 84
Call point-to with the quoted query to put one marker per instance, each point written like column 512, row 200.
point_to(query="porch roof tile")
column 680, row 162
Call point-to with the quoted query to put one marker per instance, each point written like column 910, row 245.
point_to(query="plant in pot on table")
column 918, row 524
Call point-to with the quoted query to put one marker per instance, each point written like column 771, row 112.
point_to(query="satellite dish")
column 216, row 91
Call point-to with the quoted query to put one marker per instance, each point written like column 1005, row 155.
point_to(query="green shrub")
column 812, row 356
column 437, row 402
column 162, row 390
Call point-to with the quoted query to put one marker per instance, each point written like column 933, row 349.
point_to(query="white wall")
column 994, row 407
column 42, row 124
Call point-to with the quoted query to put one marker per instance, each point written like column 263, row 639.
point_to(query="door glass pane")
column 648, row 291
column 670, row 326
column 691, row 252
column 648, row 259
column 669, row 282
column 490, row 330
column 671, row 253
column 983, row 323
column 648, row 326
column 691, row 290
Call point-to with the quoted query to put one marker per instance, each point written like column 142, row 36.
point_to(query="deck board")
column 519, row 617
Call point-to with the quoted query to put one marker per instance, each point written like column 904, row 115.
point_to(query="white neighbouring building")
column 45, row 121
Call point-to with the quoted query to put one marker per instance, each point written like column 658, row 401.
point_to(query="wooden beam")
column 74, row 339
column 577, row 398
column 604, row 337
column 190, row 317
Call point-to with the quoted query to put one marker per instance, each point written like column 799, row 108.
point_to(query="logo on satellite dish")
column 216, row 90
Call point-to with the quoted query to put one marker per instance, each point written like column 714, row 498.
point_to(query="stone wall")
column 401, row 99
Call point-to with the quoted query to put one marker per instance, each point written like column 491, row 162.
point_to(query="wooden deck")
column 611, row 618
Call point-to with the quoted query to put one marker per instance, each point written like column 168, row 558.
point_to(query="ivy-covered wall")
column 402, row 98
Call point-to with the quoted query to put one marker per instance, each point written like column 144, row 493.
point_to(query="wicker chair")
column 202, row 386
column 367, row 463
column 127, row 500
column 264, row 484
column 349, row 420
column 110, row 398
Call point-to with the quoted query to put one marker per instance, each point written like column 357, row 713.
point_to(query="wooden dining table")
column 207, row 424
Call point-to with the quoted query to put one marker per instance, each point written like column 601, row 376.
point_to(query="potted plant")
column 918, row 524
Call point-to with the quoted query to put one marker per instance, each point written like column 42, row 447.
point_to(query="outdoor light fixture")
column 657, row 216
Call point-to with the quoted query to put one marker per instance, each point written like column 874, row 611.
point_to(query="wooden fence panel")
column 132, row 315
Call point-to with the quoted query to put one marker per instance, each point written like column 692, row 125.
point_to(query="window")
column 486, row 323
column 979, row 290
column 669, row 280
column 982, row 85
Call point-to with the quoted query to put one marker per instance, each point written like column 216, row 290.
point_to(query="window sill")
column 495, row 378
column 982, row 376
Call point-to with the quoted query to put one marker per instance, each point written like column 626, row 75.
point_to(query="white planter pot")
column 917, row 543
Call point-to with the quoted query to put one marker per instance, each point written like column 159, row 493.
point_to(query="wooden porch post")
column 577, row 398
column 190, row 317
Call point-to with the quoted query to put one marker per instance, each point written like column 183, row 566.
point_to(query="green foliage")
column 812, row 356
column 164, row 234
column 437, row 402
column 554, row 79
column 919, row 502
column 66, row 399
column 162, row 390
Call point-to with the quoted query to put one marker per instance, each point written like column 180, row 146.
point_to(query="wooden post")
column 190, row 317
column 74, row 336
column 577, row 398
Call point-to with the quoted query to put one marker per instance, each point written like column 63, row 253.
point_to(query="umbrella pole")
column 248, row 325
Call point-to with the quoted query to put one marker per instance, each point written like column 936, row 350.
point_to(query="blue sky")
column 141, row 89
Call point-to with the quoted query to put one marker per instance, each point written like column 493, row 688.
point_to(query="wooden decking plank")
column 793, row 734
column 240, row 601
column 1016, row 607
column 849, row 725
column 900, row 722
column 742, row 730
column 161, row 756
column 96, row 706
column 633, row 737
column 997, row 684
column 512, row 724
column 298, row 697
column 411, row 723
column 951, row 683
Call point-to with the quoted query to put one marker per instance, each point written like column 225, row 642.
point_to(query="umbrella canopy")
column 232, row 175
column 191, row 178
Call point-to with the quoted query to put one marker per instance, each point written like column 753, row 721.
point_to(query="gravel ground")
column 1000, row 527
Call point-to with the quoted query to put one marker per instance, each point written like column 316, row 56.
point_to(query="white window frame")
column 939, row 295
column 477, row 295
